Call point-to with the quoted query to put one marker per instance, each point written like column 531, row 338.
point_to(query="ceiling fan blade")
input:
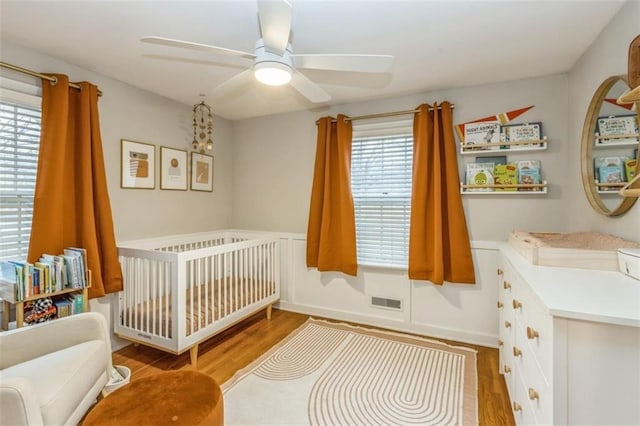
column 233, row 83
column 196, row 46
column 309, row 89
column 275, row 24
column 344, row 62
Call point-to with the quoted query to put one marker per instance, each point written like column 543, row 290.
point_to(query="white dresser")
column 569, row 343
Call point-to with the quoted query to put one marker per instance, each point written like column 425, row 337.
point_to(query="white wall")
column 606, row 57
column 274, row 158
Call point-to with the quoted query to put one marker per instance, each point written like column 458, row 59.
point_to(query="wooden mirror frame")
column 586, row 154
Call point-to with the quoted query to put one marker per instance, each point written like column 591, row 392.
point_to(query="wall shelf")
column 513, row 147
column 617, row 142
column 535, row 189
column 605, row 145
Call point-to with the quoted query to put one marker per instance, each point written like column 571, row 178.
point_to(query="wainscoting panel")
column 459, row 312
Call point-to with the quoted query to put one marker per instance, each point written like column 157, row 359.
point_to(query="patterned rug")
column 336, row 374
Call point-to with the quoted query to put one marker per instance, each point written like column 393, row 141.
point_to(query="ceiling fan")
column 274, row 62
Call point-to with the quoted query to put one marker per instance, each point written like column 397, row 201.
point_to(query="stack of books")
column 50, row 274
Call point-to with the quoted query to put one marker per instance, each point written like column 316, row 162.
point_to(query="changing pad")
column 585, row 250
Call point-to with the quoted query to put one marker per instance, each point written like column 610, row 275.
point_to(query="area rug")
column 326, row 373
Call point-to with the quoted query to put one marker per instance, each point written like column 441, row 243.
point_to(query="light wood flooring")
column 221, row 356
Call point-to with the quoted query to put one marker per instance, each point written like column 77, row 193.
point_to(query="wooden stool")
column 173, row 398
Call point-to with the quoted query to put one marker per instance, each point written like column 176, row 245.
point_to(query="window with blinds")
column 381, row 187
column 19, row 143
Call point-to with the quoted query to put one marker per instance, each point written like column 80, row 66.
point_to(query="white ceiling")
column 436, row 44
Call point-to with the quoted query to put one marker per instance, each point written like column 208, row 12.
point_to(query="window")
column 381, row 162
column 19, row 142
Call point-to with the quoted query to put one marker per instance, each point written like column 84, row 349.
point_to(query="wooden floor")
column 221, row 356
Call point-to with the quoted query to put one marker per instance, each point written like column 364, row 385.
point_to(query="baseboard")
column 462, row 336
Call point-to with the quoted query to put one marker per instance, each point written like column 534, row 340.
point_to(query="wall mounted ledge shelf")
column 531, row 189
column 615, row 144
column 516, row 146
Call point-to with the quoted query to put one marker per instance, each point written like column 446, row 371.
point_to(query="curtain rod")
column 37, row 74
column 383, row 114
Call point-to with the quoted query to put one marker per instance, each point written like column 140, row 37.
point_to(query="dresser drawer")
column 523, row 412
column 535, row 327
column 538, row 391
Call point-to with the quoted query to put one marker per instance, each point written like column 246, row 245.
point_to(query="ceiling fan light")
column 272, row 73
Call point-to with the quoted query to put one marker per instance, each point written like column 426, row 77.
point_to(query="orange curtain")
column 71, row 206
column 331, row 234
column 439, row 248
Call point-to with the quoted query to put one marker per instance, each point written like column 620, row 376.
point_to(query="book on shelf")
column 528, row 173
column 80, row 259
column 63, row 307
column 481, row 133
column 609, row 170
column 520, row 132
column 506, row 174
column 50, row 274
column 630, row 168
column 480, row 174
column 620, row 128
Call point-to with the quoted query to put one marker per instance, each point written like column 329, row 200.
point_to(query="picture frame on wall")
column 173, row 169
column 137, row 165
column 201, row 172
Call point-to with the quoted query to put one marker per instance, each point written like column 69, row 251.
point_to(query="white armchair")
column 51, row 373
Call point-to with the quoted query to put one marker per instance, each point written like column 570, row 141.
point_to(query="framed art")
column 201, row 172
column 173, row 169
column 137, row 165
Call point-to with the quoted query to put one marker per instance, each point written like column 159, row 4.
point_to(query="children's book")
column 528, row 173
column 506, row 174
column 480, row 174
column 630, row 167
column 482, row 133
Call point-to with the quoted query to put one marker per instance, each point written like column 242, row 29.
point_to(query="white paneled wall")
column 461, row 312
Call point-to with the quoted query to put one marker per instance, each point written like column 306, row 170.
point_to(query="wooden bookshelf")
column 8, row 296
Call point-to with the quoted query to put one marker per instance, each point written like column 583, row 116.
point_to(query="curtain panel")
column 439, row 246
column 331, row 233
column 71, row 206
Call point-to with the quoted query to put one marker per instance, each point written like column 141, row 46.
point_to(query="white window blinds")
column 19, row 143
column 381, row 187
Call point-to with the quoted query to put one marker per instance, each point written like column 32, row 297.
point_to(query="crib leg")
column 269, row 312
column 193, row 355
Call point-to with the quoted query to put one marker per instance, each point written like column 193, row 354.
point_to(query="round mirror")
column 609, row 148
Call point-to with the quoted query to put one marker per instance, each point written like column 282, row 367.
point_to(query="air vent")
column 383, row 302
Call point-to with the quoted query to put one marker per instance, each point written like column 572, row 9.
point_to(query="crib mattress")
column 210, row 302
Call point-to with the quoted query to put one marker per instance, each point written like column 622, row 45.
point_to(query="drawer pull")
column 533, row 394
column 499, row 304
column 516, row 351
column 500, row 342
column 517, row 304
column 507, row 369
column 506, row 285
column 532, row 333
column 516, row 406
column 507, row 324
column 499, row 271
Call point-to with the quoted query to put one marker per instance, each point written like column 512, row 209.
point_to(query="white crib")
column 183, row 289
